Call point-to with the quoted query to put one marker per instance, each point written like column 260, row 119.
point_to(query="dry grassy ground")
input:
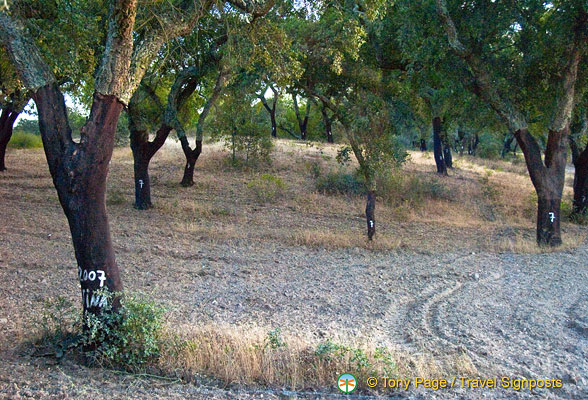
column 232, row 268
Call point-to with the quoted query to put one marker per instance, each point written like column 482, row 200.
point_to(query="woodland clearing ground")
column 232, row 269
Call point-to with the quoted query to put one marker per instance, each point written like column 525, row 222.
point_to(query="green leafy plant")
column 267, row 187
column 341, row 182
column 128, row 338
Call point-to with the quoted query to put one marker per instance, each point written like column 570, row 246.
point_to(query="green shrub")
column 359, row 360
column 411, row 190
column 129, row 338
column 340, row 182
column 267, row 187
column 25, row 140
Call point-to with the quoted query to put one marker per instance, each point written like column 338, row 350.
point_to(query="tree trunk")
column 6, row 124
column 506, row 147
column 191, row 158
column 370, row 209
column 143, row 152
column 274, row 123
column 548, row 217
column 548, row 178
column 438, row 147
column 79, row 174
column 141, row 159
column 423, row 145
column 447, row 156
column 328, row 124
column 580, row 205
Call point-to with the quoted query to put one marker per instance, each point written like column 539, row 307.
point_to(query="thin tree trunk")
column 507, row 143
column 328, row 121
column 302, row 122
column 447, row 156
column 192, row 155
column 6, row 126
column 438, row 147
column 370, row 209
column 79, row 173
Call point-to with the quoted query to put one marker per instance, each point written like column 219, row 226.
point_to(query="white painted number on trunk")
column 371, row 223
column 552, row 216
column 91, row 276
column 141, row 183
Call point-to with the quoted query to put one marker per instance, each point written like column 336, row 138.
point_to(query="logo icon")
column 347, row 383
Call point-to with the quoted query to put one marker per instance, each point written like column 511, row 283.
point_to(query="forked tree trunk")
column 79, row 173
column 548, row 178
column 507, row 144
column 143, row 152
column 328, row 121
column 6, row 125
column 370, row 210
column 191, row 158
column 302, row 122
column 438, row 147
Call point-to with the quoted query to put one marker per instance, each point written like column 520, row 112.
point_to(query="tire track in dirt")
column 424, row 317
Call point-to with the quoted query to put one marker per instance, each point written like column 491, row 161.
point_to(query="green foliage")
column 274, row 339
column 243, row 131
column 129, row 338
column 340, row 182
column 267, row 188
column 359, row 359
column 343, row 155
column 25, row 140
column 28, row 126
column 490, row 146
column 411, row 190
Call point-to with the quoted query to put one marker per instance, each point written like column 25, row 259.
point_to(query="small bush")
column 412, row 190
column 267, row 187
column 129, row 338
column 340, row 182
column 24, row 140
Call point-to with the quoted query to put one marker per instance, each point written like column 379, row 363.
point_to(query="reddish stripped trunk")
column 6, row 124
column 79, row 173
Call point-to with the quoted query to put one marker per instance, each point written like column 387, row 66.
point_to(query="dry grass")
column 474, row 207
column 250, row 356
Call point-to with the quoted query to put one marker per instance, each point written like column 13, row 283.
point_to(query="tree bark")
column 79, row 174
column 143, row 152
column 271, row 110
column 7, row 119
column 548, row 178
column 423, row 146
column 302, row 122
column 580, row 161
column 191, row 158
column 506, row 146
column 438, row 147
column 370, row 209
column 447, row 155
column 328, row 121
